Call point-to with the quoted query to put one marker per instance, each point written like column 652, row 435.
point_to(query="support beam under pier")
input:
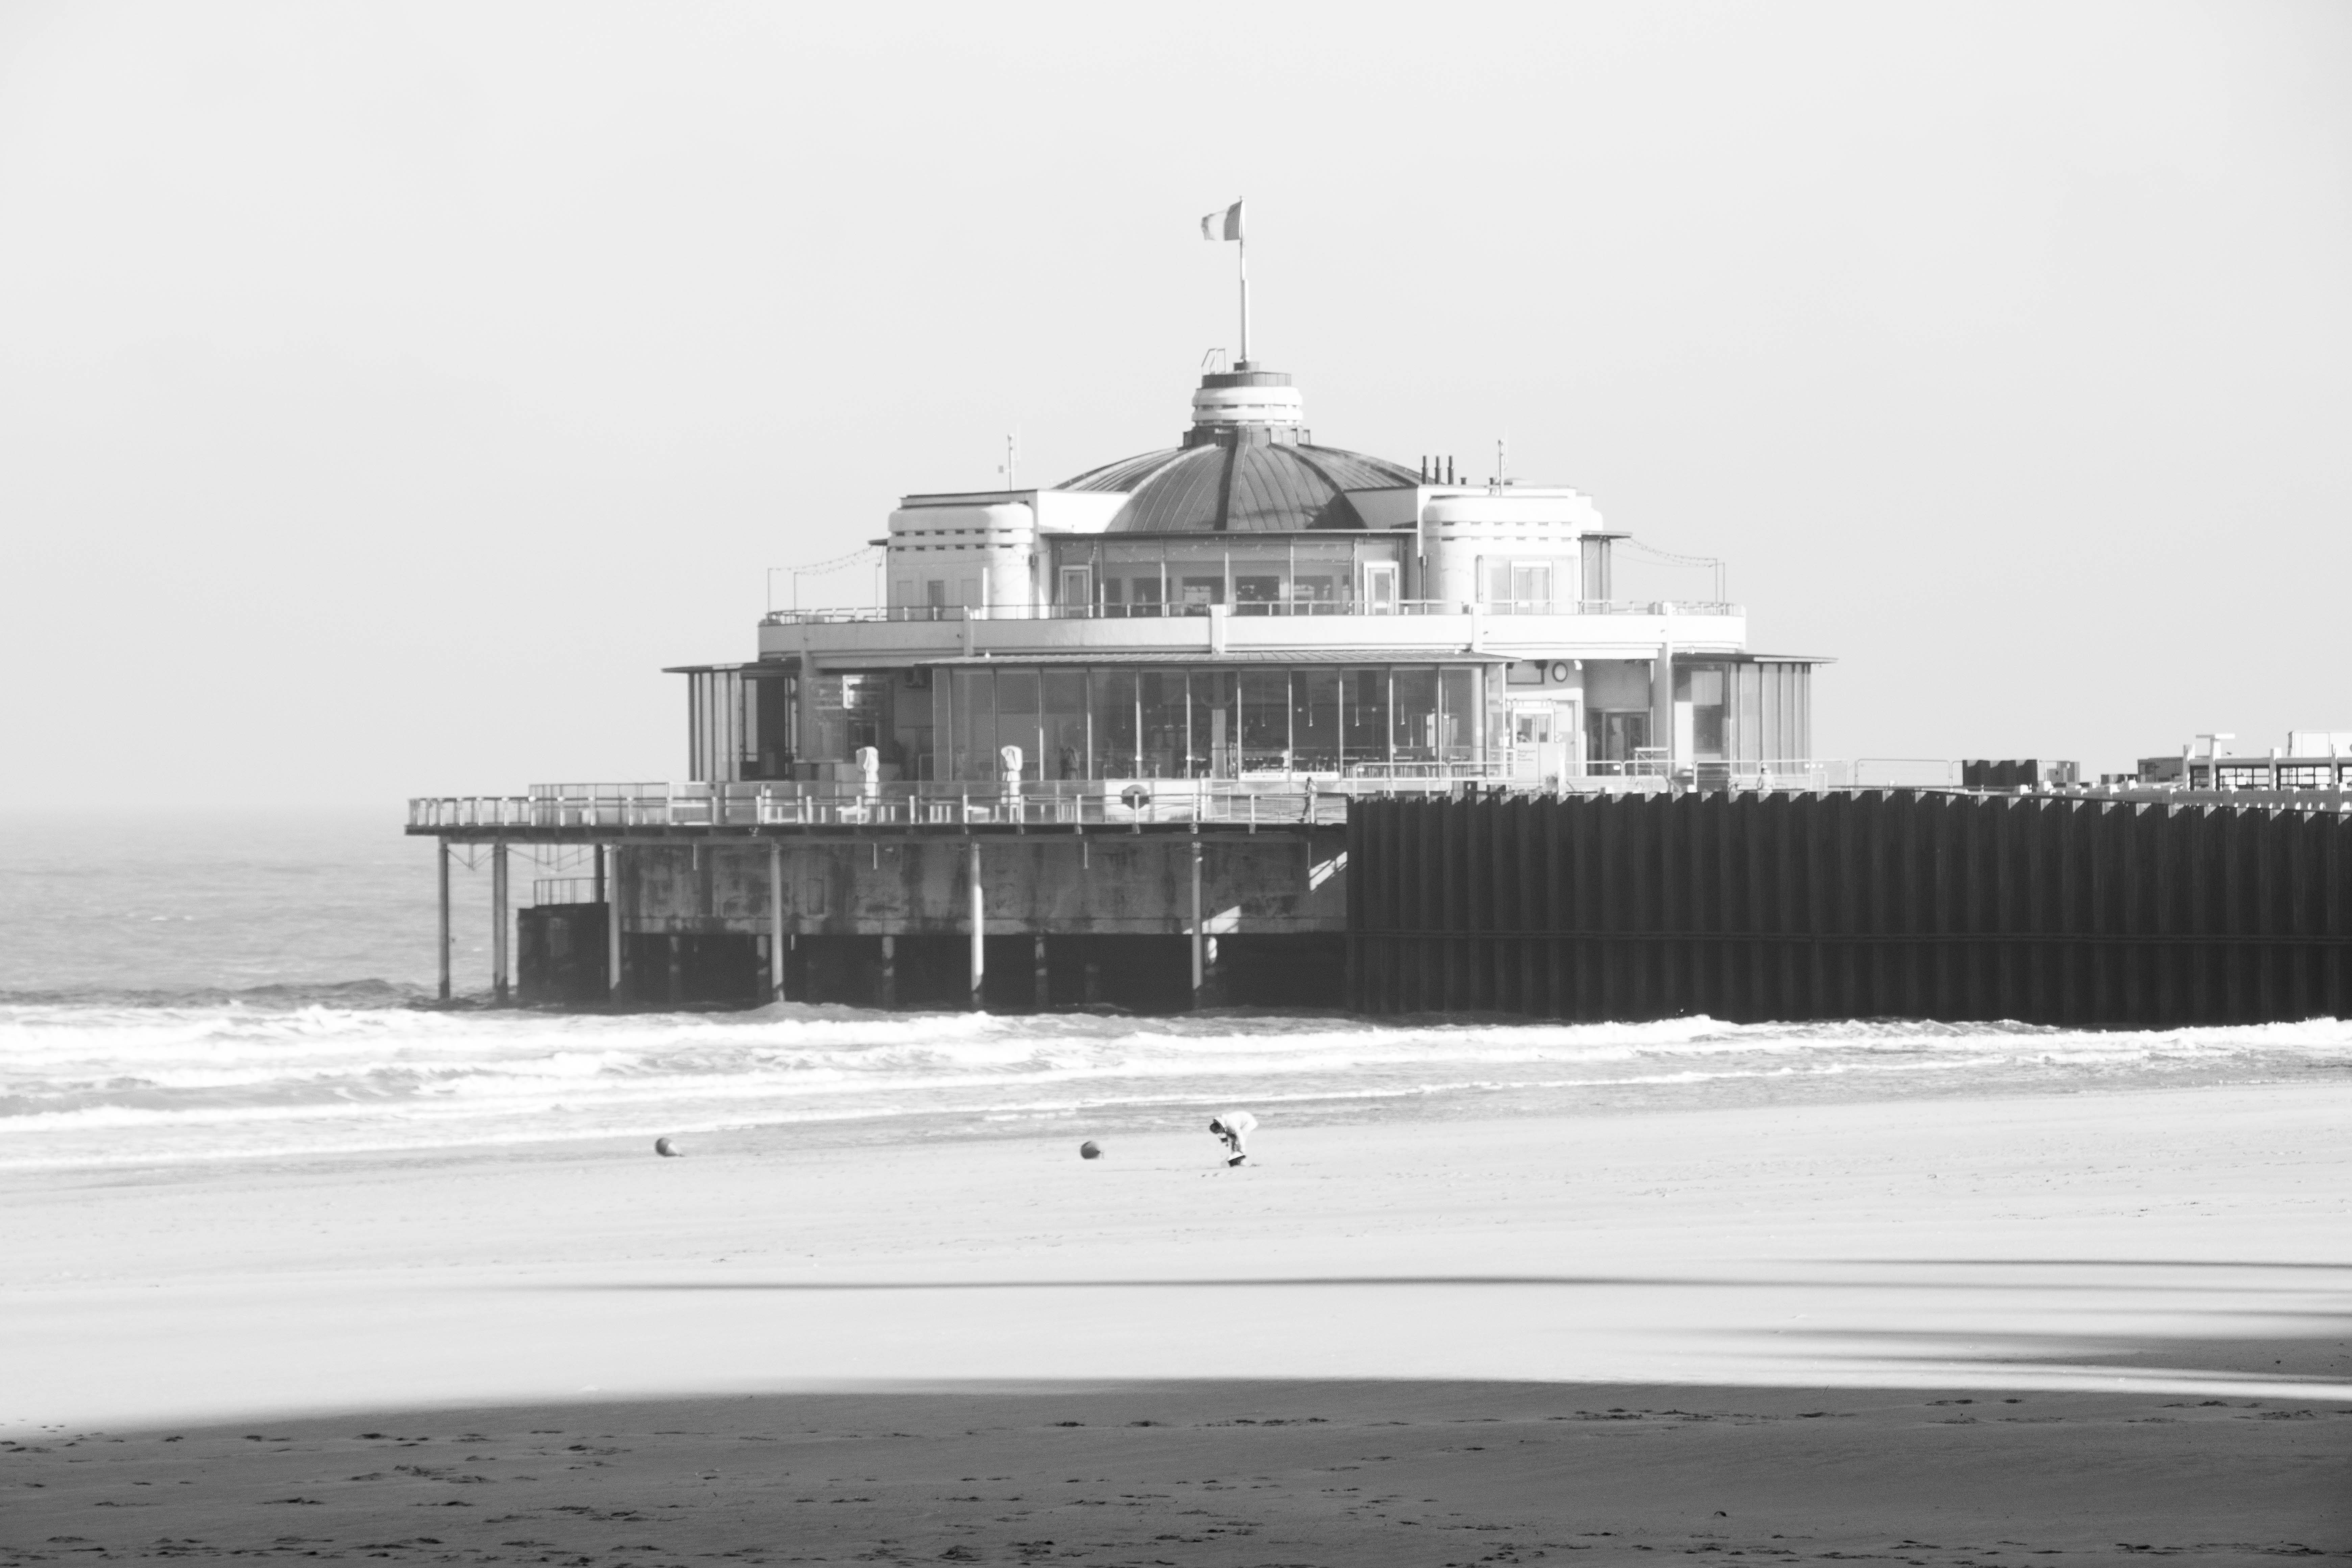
column 499, row 922
column 1200, row 937
column 444, row 844
column 612, row 881
column 777, row 943
column 979, row 930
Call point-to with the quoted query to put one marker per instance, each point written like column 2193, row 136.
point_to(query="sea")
column 181, row 989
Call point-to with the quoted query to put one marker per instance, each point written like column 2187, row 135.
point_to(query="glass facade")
column 1122, row 721
column 1257, row 574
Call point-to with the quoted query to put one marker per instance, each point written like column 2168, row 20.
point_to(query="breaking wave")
column 99, row 1078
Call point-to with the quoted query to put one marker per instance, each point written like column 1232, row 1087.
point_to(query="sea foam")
column 107, row 1080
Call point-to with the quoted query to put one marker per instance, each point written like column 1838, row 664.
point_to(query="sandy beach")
column 1933, row 1331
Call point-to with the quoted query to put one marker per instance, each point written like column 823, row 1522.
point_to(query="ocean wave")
column 284, row 1069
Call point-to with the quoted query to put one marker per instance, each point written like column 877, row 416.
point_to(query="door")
column 1077, row 586
column 1539, row 741
column 1614, row 741
column 1380, row 587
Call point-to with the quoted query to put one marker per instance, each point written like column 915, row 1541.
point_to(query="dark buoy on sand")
column 666, row 1149
column 1089, row 1150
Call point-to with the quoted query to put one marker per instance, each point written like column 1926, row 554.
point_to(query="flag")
column 1226, row 224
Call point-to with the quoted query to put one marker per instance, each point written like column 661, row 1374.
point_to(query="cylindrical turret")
column 1244, row 405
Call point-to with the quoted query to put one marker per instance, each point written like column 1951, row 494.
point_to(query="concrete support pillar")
column 612, row 975
column 499, row 922
column 1044, row 997
column 979, row 928
column 444, row 844
column 1200, row 936
column 890, row 972
column 776, row 939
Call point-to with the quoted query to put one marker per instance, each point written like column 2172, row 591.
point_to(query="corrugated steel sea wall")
column 1873, row 904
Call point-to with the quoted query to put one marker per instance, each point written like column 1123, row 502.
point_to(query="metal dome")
column 1242, row 487
column 1245, row 468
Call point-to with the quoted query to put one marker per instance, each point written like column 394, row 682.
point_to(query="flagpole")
column 1241, row 248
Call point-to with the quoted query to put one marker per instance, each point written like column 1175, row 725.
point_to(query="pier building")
column 1096, row 745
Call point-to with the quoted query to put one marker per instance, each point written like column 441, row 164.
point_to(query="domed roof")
column 1242, row 487
column 1244, row 468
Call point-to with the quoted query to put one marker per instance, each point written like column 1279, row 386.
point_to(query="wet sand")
column 1935, row 1331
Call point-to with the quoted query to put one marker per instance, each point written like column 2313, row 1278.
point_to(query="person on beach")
column 1231, row 1128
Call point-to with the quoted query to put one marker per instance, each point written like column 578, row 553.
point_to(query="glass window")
column 1063, row 725
column 1458, row 714
column 1413, row 724
column 1111, row 703
column 1702, row 686
column 1215, row 725
column 973, row 725
column 1314, row 720
column 1265, row 721
column 1258, row 580
column 1364, row 715
column 1159, row 696
column 1016, row 719
column 1323, row 573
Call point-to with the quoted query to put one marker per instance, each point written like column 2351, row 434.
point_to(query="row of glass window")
column 1098, row 722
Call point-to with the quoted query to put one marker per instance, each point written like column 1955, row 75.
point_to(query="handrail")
column 1091, row 801
column 921, row 614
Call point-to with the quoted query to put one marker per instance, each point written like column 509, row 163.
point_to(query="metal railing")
column 779, row 804
column 563, row 890
column 842, row 616
column 1087, row 802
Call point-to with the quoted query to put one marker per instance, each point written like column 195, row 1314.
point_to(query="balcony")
column 607, row 810
column 1323, row 609
column 1596, row 629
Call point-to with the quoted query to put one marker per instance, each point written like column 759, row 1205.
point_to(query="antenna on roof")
column 1012, row 455
column 1214, row 361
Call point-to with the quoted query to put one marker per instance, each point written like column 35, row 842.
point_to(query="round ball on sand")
column 666, row 1149
column 1089, row 1150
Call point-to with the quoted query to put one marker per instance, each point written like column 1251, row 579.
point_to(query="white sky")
column 387, row 392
